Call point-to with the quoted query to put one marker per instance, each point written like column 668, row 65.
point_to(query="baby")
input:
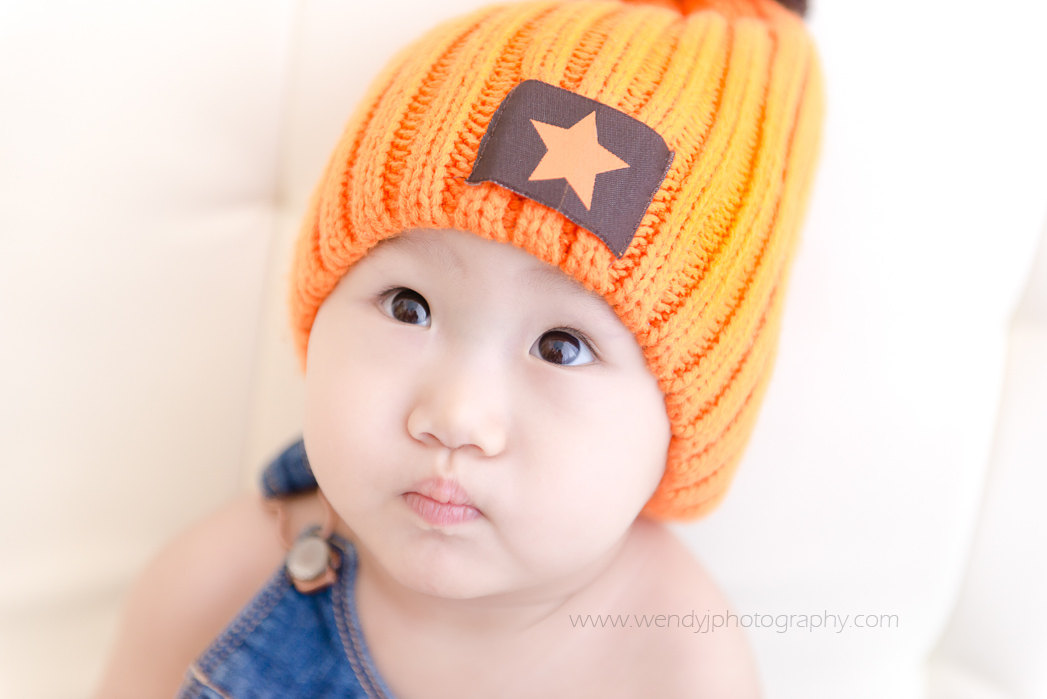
column 536, row 297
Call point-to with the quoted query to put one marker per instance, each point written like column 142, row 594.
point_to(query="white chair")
column 154, row 162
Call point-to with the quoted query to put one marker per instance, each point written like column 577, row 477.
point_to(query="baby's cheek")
column 335, row 442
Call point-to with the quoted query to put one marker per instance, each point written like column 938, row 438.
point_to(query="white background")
column 155, row 158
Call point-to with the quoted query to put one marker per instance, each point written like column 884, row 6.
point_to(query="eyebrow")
column 549, row 277
column 441, row 254
column 540, row 277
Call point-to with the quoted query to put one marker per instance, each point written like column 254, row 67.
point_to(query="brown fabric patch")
column 596, row 165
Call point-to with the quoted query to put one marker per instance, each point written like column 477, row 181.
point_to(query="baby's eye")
column 564, row 348
column 406, row 306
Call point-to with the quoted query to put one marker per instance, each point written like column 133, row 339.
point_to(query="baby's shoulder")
column 664, row 570
column 212, row 569
column 192, row 589
column 672, row 603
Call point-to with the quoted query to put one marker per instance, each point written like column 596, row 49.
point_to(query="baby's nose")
column 457, row 410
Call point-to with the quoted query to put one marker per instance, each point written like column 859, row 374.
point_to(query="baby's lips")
column 443, row 490
column 440, row 514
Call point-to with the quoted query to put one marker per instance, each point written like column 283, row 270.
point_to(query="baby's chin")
column 455, row 588
column 498, row 580
column 476, row 560
column 451, row 575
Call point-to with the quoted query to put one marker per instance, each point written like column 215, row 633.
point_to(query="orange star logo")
column 575, row 154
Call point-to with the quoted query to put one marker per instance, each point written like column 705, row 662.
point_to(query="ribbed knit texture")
column 735, row 90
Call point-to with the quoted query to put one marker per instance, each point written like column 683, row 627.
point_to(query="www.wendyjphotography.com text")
column 708, row 621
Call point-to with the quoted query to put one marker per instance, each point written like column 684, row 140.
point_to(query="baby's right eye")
column 406, row 306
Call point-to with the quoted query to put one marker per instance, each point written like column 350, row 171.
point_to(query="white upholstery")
column 155, row 158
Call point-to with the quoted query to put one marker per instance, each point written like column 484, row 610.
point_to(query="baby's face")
column 482, row 423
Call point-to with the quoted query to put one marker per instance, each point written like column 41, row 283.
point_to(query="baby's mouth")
column 441, row 502
column 440, row 513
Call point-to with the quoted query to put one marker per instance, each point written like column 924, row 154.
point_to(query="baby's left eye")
column 563, row 348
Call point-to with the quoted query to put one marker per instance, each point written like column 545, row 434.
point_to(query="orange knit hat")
column 727, row 95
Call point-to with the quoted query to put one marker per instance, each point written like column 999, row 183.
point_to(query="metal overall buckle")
column 312, row 563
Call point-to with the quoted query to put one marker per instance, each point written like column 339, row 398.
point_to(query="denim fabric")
column 289, row 473
column 288, row 644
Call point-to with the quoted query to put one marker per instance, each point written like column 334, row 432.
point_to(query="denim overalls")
column 285, row 643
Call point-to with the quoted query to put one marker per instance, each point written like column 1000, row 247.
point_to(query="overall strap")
column 289, row 473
